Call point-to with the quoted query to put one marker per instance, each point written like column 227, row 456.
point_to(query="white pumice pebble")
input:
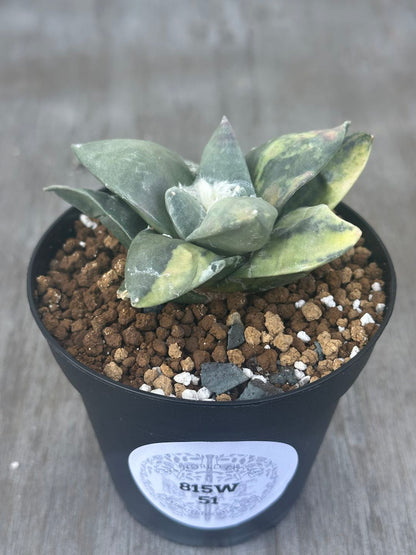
column 248, row 372
column 158, row 391
column 203, row 393
column 328, row 301
column 87, row 222
column 298, row 374
column 303, row 336
column 370, row 297
column 304, row 380
column 184, row 378
column 82, row 244
column 356, row 304
column 259, row 377
column 300, row 303
column 157, row 368
column 300, row 365
column 367, row 319
column 341, row 329
column 14, row 465
column 376, row 286
column 267, row 346
column 145, row 387
column 355, row 350
column 380, row 308
column 194, row 379
column 340, row 307
column 190, row 394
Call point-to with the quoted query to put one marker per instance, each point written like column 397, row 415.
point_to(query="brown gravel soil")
column 279, row 340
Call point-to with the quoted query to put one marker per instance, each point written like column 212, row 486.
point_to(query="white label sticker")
column 213, row 484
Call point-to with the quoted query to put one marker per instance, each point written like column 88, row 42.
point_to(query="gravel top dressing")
column 242, row 346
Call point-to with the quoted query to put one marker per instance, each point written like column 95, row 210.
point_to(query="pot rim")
column 390, row 291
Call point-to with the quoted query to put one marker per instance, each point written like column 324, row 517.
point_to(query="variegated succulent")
column 233, row 223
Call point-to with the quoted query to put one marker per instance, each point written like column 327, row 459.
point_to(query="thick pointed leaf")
column 160, row 269
column 337, row 177
column 223, row 161
column 140, row 172
column 185, row 211
column 281, row 166
column 301, row 241
column 236, row 225
column 117, row 216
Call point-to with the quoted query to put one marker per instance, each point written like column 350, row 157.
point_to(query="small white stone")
column 380, row 308
column 376, row 286
column 356, row 304
column 267, row 346
column 203, row 394
column 328, row 301
column 303, row 336
column 194, row 379
column 298, row 374
column 158, row 391
column 341, row 329
column 82, row 244
column 190, row 394
column 354, row 351
column 340, row 307
column 304, row 381
column 300, row 365
column 370, row 297
column 145, row 387
column 14, row 465
column 87, row 222
column 259, row 377
column 367, row 319
column 300, row 303
column 248, row 373
column 184, row 378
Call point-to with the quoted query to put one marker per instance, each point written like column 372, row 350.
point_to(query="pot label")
column 213, row 484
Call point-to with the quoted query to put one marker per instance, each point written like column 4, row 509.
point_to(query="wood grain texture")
column 167, row 71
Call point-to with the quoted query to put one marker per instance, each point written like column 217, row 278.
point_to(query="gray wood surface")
column 167, row 71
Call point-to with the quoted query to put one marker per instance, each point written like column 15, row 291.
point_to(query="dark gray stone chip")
column 257, row 389
column 220, row 377
column 235, row 336
column 285, row 374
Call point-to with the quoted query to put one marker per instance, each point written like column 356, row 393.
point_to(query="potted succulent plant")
column 217, row 473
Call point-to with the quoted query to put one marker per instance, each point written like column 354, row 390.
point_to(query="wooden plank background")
column 167, row 71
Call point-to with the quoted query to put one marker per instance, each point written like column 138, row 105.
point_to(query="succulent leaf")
column 281, row 166
column 302, row 240
column 139, row 172
column 337, row 177
column 185, row 211
column 223, row 161
column 236, row 225
column 160, row 269
column 120, row 220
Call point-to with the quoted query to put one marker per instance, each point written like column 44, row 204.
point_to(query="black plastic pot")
column 204, row 473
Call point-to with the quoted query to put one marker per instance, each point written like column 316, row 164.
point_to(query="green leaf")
column 337, row 177
column 160, row 269
column 302, row 240
column 236, row 225
column 117, row 216
column 223, row 161
column 140, row 172
column 184, row 210
column 281, row 166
